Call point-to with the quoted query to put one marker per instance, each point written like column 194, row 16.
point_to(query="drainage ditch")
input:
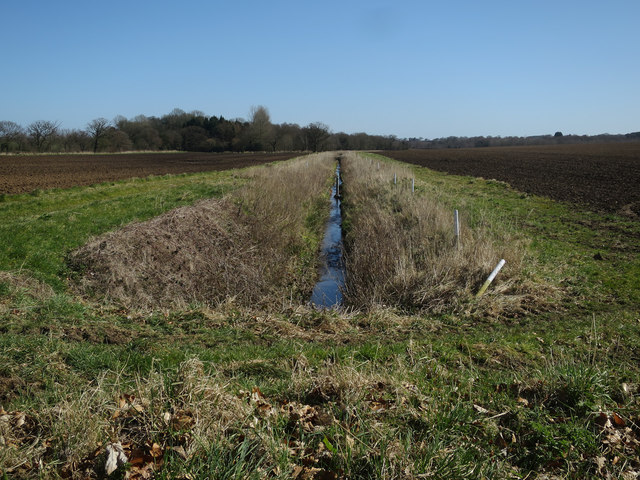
column 327, row 293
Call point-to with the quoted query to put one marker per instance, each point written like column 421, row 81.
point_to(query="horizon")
column 407, row 69
column 334, row 132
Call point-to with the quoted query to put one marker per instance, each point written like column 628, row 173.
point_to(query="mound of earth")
column 201, row 253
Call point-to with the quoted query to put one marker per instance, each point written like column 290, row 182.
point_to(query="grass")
column 257, row 246
column 402, row 252
column 233, row 390
column 38, row 229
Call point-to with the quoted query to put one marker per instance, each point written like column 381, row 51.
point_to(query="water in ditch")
column 328, row 291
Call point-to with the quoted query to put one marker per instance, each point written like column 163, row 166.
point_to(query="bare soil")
column 605, row 177
column 26, row 173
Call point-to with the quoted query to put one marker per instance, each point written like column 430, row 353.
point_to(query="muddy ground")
column 605, row 177
column 26, row 173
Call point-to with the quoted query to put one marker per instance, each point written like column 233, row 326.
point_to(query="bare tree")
column 74, row 140
column 315, row 133
column 97, row 128
column 10, row 132
column 261, row 131
column 41, row 131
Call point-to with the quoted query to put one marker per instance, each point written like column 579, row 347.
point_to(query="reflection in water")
column 328, row 291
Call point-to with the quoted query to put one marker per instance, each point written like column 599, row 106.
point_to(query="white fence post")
column 456, row 227
column 490, row 279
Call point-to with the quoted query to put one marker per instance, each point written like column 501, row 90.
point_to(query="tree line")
column 192, row 131
column 195, row 131
column 556, row 139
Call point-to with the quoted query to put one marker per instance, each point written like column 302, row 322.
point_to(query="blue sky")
column 407, row 68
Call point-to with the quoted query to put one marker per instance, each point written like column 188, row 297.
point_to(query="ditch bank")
column 256, row 247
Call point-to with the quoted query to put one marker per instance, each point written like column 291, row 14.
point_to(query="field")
column 26, row 173
column 602, row 176
column 159, row 327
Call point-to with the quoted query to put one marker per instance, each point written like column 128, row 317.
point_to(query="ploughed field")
column 26, row 173
column 605, row 177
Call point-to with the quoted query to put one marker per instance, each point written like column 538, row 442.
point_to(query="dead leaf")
column 602, row 419
column 180, row 451
column 480, row 409
column 256, row 394
column 156, row 450
column 144, row 473
column 499, row 440
column 182, row 420
column 20, row 419
column 166, row 416
column 618, row 421
column 115, row 457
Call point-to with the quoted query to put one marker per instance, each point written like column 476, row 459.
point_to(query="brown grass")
column 401, row 249
column 184, row 410
column 257, row 247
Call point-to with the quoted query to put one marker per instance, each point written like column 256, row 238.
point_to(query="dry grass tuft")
column 401, row 249
column 23, row 284
column 255, row 248
column 181, row 411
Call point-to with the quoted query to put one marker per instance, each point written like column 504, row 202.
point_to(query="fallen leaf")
column 182, row 420
column 602, row 419
column 499, row 440
column 480, row 409
column 180, row 451
column 166, row 416
column 156, row 450
column 20, row 419
column 115, row 457
column 256, row 394
column 617, row 420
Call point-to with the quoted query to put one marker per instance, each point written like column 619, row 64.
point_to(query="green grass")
column 36, row 231
column 378, row 394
